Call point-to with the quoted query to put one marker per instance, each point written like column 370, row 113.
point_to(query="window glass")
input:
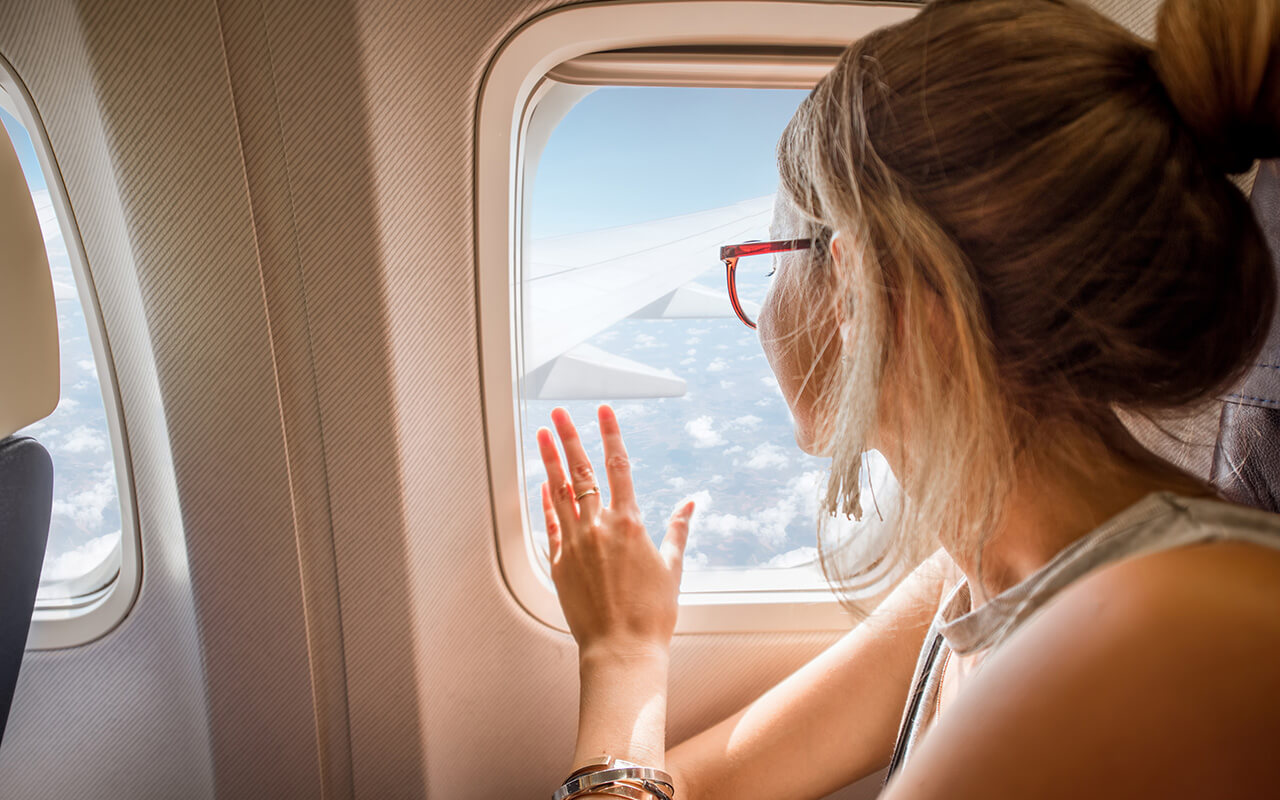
column 84, row 530
column 623, row 300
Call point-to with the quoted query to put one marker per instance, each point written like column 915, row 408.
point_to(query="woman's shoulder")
column 1222, row 566
column 1210, row 607
column 1229, row 566
column 1151, row 676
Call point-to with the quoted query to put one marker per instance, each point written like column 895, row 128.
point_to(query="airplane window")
column 623, row 300
column 83, row 553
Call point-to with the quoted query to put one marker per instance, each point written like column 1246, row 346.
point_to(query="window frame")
column 103, row 597
column 522, row 72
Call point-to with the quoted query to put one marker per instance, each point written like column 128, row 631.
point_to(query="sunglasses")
column 731, row 253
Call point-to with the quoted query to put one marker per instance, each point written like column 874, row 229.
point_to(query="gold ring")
column 592, row 490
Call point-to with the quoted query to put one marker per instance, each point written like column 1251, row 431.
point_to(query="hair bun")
column 1219, row 62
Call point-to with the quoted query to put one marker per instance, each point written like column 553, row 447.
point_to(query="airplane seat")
column 1246, row 457
column 26, row 498
column 29, row 387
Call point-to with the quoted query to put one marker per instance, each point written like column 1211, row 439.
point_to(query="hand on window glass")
column 616, row 588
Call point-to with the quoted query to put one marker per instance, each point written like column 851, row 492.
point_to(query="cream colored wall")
column 275, row 200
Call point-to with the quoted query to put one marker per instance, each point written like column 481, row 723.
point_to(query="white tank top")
column 1160, row 521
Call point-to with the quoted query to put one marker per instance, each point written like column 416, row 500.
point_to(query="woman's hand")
column 619, row 592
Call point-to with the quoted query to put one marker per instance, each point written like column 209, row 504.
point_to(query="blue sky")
column 627, row 154
column 26, row 153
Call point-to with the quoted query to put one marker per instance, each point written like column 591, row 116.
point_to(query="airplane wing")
column 43, row 202
column 579, row 285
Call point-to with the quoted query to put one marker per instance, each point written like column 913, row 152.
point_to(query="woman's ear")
column 837, row 246
column 835, row 275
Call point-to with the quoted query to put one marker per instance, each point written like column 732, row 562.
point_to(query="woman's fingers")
column 677, row 537
column 553, row 525
column 581, row 475
column 558, row 487
column 616, row 464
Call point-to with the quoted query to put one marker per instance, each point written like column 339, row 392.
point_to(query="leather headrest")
column 29, row 366
column 1266, row 203
column 1261, row 385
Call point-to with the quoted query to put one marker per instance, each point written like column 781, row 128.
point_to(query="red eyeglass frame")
column 730, row 254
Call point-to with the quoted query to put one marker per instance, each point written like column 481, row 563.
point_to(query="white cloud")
column 64, row 291
column 769, row 380
column 78, row 561
column 793, row 558
column 84, row 440
column 769, row 526
column 628, row 412
column 68, row 403
column 767, row 456
column 678, row 483
column 775, row 520
column 88, row 366
column 701, row 501
column 607, row 336
column 644, row 340
column 698, row 331
column 726, row 385
column 686, row 362
column 765, row 403
column 37, row 429
column 702, row 432
column 85, row 508
column 725, row 526
column 718, row 365
column 695, row 561
column 47, row 217
column 737, row 448
column 807, row 483
column 746, row 422
column 692, row 340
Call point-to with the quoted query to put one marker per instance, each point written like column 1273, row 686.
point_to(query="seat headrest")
column 29, row 368
column 1261, row 385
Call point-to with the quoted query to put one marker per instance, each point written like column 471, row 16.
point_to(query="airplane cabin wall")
column 276, row 204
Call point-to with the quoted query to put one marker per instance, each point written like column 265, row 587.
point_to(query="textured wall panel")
column 166, row 102
column 168, row 180
column 251, row 61
column 125, row 716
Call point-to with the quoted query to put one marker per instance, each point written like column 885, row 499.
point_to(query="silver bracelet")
column 654, row 781
column 624, row 790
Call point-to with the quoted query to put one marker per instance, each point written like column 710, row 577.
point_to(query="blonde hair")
column 1036, row 230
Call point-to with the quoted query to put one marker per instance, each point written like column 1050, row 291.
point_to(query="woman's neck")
column 1057, row 500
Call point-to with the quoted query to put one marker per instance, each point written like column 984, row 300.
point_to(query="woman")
column 1021, row 224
